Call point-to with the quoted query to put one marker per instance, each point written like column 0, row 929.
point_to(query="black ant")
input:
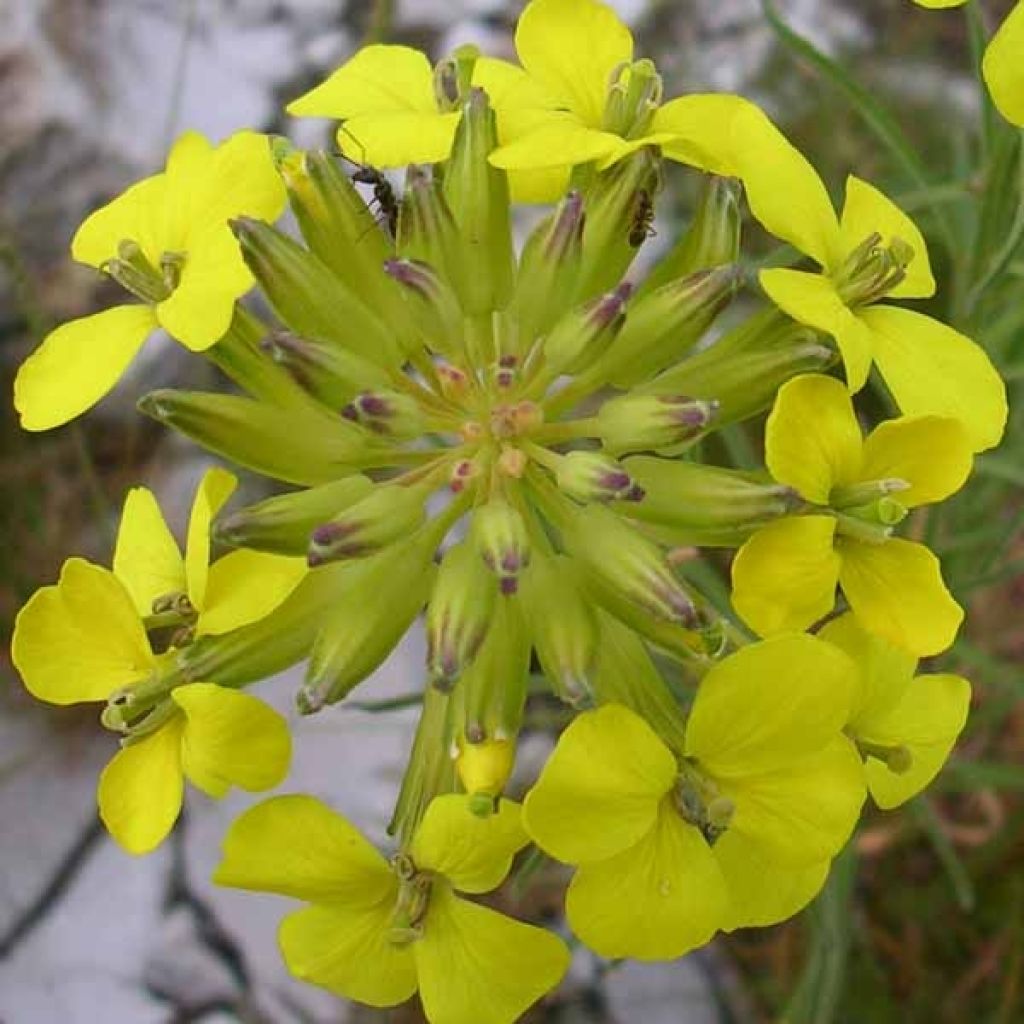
column 387, row 202
column 642, row 226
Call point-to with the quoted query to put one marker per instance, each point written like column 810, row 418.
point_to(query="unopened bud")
column 282, row 524
column 616, row 555
column 583, row 334
column 439, row 316
column 593, row 476
column 663, row 326
column 454, row 382
column 484, row 770
column 639, row 422
column 427, row 232
column 389, row 513
column 312, row 300
column 500, row 536
column 459, row 614
column 386, row 412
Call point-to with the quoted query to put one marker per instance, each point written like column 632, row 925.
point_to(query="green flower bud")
column 309, row 298
column 283, row 524
column 667, row 323
column 705, row 505
column 745, row 368
column 617, row 557
column 593, row 476
column 427, row 232
column 712, row 239
column 620, row 206
column 484, row 770
column 459, row 614
column 500, row 536
column 314, row 449
column 386, row 412
column 387, row 514
column 563, row 627
column 548, row 270
column 439, row 315
column 583, row 334
column 484, row 265
column 637, row 422
column 326, row 371
column 382, row 596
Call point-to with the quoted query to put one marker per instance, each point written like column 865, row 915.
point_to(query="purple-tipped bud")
column 593, row 476
column 651, row 422
column 581, row 337
column 386, row 412
column 500, row 536
column 439, row 313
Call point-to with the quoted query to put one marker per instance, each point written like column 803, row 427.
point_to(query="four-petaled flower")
column 85, row 639
column 378, row 932
column 784, row 577
column 167, row 241
column 735, row 829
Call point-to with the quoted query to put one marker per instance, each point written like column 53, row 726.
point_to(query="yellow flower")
column 737, row 830
column 1002, row 65
column 377, row 931
column 904, row 725
column 167, row 241
column 785, row 576
column 85, row 639
column 873, row 251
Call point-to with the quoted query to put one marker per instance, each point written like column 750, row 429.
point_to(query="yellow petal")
column 762, row 892
column 931, row 453
column 141, row 788
column 884, row 671
column 896, row 591
column 784, row 191
column 509, row 87
column 784, row 577
column 379, row 79
column 244, row 586
column 655, row 901
column 398, row 138
column 77, row 364
column 769, row 703
column 126, row 218
column 571, row 47
column 242, row 179
column 473, row 853
column 1004, row 69
column 926, row 722
column 185, row 179
column 198, row 312
column 813, row 300
column 476, row 966
column 868, row 211
column 812, row 440
column 600, row 790
column 559, row 140
column 214, row 490
column 345, row 949
column 801, row 813
column 933, row 370
column 702, row 126
column 544, row 185
column 81, row 639
column 146, row 559
column 231, row 738
column 297, row 846
column 938, row 5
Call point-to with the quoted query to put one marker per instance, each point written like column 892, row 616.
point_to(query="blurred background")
column 922, row 919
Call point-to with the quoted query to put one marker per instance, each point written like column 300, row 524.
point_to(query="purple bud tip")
column 330, row 533
column 508, row 361
column 315, row 558
column 511, row 562
column 373, row 405
column 615, row 481
column 475, row 733
column 509, row 585
column 635, row 493
column 349, row 413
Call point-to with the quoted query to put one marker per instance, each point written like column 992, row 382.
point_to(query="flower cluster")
column 521, row 447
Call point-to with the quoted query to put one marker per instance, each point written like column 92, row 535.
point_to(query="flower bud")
column 593, row 476
column 500, row 536
column 326, row 371
column 583, row 334
column 705, row 505
column 477, row 192
column 484, row 770
column 615, row 555
column 385, row 412
column 381, row 597
column 744, row 369
column 282, row 524
column 439, row 316
column 459, row 614
column 387, row 514
column 667, row 323
column 563, row 627
column 618, row 204
column 314, row 449
column 427, row 232
column 637, row 422
column 309, row 298
column 548, row 269
column 712, row 239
